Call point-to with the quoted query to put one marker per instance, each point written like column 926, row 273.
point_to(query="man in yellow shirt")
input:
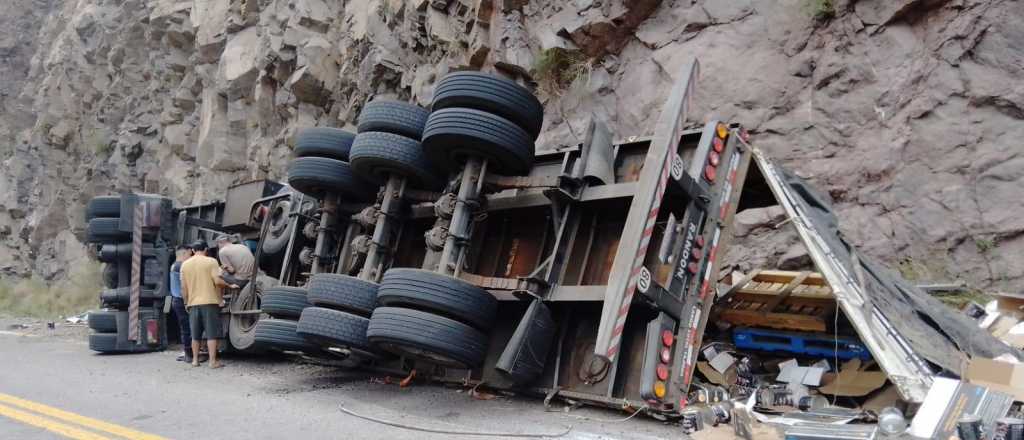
column 201, row 285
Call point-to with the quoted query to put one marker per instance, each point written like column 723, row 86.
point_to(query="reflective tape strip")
column 638, row 260
column 133, row 301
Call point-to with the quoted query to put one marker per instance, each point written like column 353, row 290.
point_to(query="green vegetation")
column 820, row 9
column 985, row 244
column 32, row 297
column 556, row 69
column 958, row 300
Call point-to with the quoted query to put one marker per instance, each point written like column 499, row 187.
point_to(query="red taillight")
column 718, row 144
column 699, row 242
column 666, row 355
column 713, row 158
column 152, row 331
column 745, row 135
column 709, row 173
column 692, row 267
column 662, row 371
column 696, row 254
column 667, row 338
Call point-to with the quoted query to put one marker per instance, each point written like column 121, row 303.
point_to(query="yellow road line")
column 87, row 422
column 49, row 425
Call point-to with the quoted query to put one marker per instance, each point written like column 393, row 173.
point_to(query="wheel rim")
column 420, row 353
column 243, row 327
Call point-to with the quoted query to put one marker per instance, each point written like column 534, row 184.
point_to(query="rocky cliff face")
column 908, row 112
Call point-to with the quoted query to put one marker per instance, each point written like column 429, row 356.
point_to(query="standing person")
column 236, row 260
column 201, row 288
column 178, row 303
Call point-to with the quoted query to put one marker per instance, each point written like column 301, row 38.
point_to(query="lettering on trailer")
column 614, row 339
column 693, row 340
column 643, row 282
column 684, row 256
column 677, row 167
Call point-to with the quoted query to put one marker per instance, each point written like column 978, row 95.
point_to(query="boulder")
column 240, row 62
column 750, row 219
column 795, row 258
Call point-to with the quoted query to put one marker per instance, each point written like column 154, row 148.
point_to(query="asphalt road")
column 251, row 399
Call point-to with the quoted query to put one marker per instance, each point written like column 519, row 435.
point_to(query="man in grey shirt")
column 236, row 261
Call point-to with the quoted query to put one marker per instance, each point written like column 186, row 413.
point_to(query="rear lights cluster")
column 715, row 155
column 662, row 369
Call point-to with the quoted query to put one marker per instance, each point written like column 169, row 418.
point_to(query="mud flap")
column 524, row 356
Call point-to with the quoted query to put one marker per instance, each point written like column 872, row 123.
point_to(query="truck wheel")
column 453, row 134
column 242, row 327
column 327, row 142
column 110, row 275
column 121, row 296
column 333, row 328
column 440, row 294
column 281, row 335
column 105, row 230
column 318, row 176
column 342, row 292
column 279, row 230
column 103, row 342
column 103, row 321
column 491, row 94
column 426, row 336
column 103, row 206
column 395, row 117
column 284, row 302
column 375, row 155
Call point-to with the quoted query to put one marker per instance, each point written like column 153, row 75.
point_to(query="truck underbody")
column 603, row 260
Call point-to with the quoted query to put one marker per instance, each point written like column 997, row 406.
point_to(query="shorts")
column 205, row 317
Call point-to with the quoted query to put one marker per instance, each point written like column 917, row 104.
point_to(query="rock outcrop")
column 908, row 112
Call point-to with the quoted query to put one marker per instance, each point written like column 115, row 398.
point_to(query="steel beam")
column 634, row 240
column 387, row 220
column 458, row 231
column 327, row 218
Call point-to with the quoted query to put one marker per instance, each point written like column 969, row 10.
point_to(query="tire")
column 342, row 292
column 105, row 230
column 103, row 321
column 110, row 276
column 453, row 134
column 103, row 342
column 396, row 117
column 281, row 335
column 103, row 206
column 439, row 294
column 426, row 336
column 491, row 94
column 326, row 142
column 284, row 302
column 121, row 296
column 242, row 327
column 375, row 155
column 318, row 176
column 333, row 328
column 279, row 230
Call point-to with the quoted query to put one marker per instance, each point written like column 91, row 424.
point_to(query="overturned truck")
column 439, row 241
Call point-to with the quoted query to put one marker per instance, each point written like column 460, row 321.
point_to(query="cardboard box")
column 997, row 375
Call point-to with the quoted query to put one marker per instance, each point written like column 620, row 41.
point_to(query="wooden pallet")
column 800, row 301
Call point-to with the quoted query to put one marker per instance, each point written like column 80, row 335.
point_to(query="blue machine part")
column 808, row 344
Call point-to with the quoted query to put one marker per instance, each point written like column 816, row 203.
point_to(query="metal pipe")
column 458, row 230
column 381, row 242
column 286, row 264
column 327, row 213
